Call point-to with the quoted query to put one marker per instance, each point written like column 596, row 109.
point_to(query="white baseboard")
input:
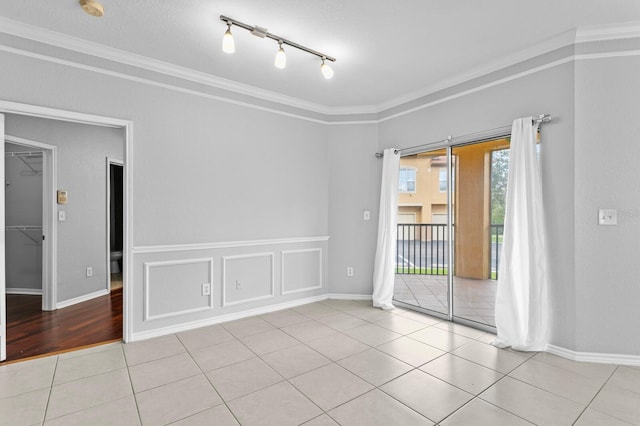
column 81, row 299
column 595, row 357
column 26, row 291
column 143, row 335
column 340, row 296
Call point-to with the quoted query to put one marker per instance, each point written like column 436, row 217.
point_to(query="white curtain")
column 522, row 307
column 385, row 260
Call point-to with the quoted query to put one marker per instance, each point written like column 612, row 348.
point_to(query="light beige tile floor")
column 327, row 363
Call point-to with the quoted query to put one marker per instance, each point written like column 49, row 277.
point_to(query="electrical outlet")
column 349, row 271
column 89, row 271
column 238, row 285
column 206, row 289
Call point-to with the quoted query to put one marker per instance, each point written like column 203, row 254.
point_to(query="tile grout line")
column 498, row 407
column 133, row 393
column 596, row 395
column 46, row 407
column 224, row 402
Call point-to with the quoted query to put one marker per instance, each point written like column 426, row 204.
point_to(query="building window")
column 407, row 179
column 442, row 178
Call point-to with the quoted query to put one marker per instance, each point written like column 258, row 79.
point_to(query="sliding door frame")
column 449, row 144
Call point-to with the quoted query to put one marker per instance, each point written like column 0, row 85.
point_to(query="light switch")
column 607, row 217
column 366, row 215
column 62, row 216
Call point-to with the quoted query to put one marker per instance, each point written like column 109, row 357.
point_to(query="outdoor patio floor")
column 472, row 299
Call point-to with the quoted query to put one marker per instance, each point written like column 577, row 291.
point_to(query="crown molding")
column 608, row 32
column 561, row 40
column 75, row 44
column 579, row 35
column 585, row 34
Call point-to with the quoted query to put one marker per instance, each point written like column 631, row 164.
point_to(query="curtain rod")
column 542, row 118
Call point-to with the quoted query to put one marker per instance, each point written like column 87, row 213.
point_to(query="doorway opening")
column 23, row 190
column 87, row 308
column 115, row 222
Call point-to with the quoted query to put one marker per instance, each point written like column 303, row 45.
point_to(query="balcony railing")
column 495, row 244
column 422, row 249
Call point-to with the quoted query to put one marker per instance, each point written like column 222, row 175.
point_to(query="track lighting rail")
column 262, row 32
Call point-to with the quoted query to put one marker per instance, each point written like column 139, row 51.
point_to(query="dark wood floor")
column 32, row 332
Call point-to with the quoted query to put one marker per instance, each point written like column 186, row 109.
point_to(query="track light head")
column 281, row 57
column 327, row 71
column 228, row 45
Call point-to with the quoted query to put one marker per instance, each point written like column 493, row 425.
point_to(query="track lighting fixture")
column 228, row 45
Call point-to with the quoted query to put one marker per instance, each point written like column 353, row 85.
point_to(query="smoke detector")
column 92, row 7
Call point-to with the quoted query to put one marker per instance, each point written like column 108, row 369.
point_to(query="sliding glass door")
column 423, row 232
column 450, row 218
column 478, row 210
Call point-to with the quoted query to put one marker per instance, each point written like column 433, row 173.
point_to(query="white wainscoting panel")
column 247, row 278
column 301, row 270
column 174, row 287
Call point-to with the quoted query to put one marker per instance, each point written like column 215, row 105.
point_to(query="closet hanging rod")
column 542, row 118
column 34, row 154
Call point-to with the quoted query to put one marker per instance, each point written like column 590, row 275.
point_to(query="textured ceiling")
column 386, row 50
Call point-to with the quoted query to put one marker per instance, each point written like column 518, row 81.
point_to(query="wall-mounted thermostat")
column 62, row 197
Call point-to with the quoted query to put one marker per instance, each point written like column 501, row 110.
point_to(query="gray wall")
column 239, row 180
column 355, row 175
column 81, row 170
column 607, row 149
column 23, row 206
column 549, row 91
column 208, row 171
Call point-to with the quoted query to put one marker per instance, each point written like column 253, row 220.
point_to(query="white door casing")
column 3, row 298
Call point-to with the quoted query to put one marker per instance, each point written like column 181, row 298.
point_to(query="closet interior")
column 23, row 219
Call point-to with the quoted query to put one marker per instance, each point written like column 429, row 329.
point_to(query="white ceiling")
column 386, row 50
